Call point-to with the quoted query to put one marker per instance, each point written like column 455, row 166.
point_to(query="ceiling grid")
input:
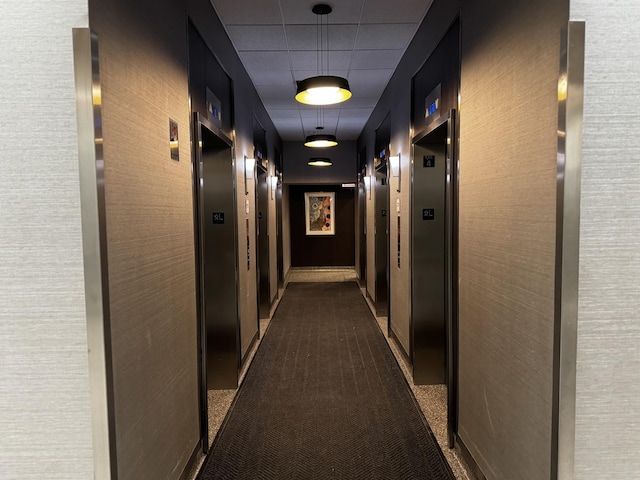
column 276, row 42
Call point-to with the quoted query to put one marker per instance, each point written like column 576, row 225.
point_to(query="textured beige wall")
column 273, row 239
column 44, row 378
column 400, row 277
column 370, row 208
column 286, row 232
column 150, row 237
column 608, row 363
column 509, row 119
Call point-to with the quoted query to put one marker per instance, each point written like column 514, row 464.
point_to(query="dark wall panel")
column 295, row 169
column 329, row 250
column 442, row 67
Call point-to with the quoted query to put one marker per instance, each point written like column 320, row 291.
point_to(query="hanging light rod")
column 320, row 162
column 320, row 141
column 322, row 89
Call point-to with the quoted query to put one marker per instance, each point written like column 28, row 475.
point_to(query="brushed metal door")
column 433, row 261
column 218, row 257
column 381, row 241
column 262, row 201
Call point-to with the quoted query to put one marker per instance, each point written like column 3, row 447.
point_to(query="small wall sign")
column 173, row 140
column 429, row 161
column 218, row 218
column 428, row 214
column 213, row 109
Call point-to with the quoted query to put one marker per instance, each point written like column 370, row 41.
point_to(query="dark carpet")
column 324, row 399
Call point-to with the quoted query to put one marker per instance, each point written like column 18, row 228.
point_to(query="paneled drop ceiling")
column 276, row 41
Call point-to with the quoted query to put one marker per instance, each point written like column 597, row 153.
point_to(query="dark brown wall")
column 323, row 251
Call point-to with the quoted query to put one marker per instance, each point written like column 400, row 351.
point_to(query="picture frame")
column 319, row 210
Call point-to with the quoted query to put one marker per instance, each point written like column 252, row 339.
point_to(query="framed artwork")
column 320, row 213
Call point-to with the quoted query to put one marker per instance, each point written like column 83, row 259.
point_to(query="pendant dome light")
column 322, row 89
column 320, row 141
column 320, row 162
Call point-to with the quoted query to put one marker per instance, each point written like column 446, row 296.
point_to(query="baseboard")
column 472, row 467
column 400, row 347
column 193, row 464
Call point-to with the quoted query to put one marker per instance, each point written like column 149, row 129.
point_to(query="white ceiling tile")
column 407, row 11
column 255, row 62
column 357, row 113
column 284, row 113
column 305, row 37
column 310, row 125
column 257, row 37
column 279, row 103
column 299, row 11
column 369, row 83
column 376, row 59
column 355, row 102
column 276, row 91
column 248, row 12
column 338, row 60
column 271, row 77
column 312, row 112
column 388, row 37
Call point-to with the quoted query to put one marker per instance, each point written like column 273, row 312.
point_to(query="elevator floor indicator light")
column 433, row 108
column 428, row 214
column 429, row 161
column 218, row 218
column 432, row 104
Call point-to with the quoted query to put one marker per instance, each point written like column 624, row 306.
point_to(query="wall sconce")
column 249, row 167
column 367, row 185
column 394, row 163
column 274, row 186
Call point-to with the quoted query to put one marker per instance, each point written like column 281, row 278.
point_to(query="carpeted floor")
column 324, row 399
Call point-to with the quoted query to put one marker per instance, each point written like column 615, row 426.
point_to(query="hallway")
column 324, row 399
column 431, row 399
column 484, row 189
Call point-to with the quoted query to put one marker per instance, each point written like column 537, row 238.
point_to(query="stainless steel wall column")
column 94, row 242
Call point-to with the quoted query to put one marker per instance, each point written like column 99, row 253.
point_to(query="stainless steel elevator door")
column 429, row 211
column 262, row 197
column 219, row 257
column 381, row 242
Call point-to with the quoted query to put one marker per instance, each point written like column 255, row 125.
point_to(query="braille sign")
column 218, row 218
column 428, row 213
column 429, row 161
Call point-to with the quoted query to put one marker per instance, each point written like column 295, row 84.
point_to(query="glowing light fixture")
column 320, row 162
column 367, row 185
column 249, row 167
column 320, row 141
column 274, row 186
column 394, row 163
column 322, row 89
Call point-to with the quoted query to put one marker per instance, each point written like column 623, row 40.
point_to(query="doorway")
column 262, row 232
column 217, row 262
column 434, row 257
column 381, row 202
column 361, row 215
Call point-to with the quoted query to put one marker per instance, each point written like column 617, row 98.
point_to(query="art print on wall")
column 320, row 213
